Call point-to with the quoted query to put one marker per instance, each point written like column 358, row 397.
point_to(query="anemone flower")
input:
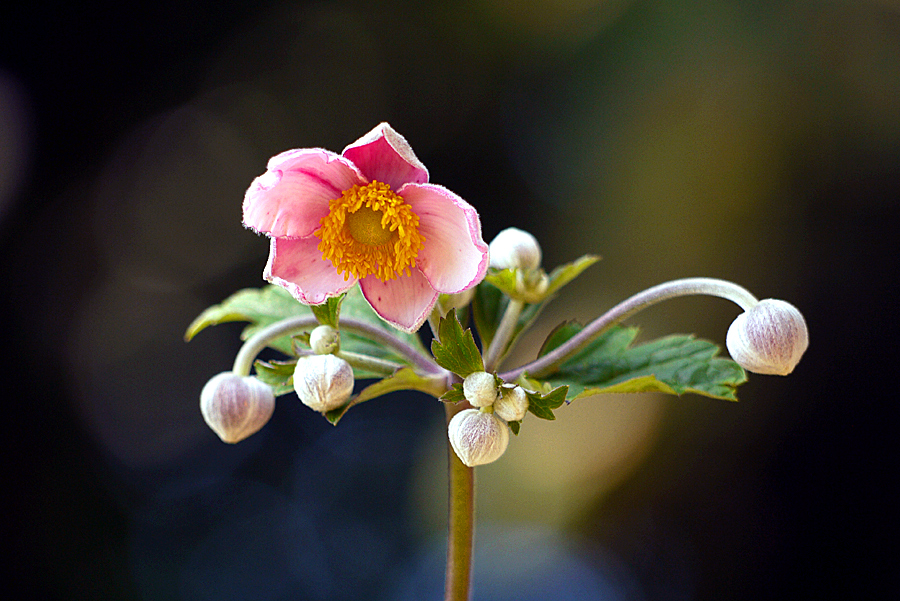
column 367, row 215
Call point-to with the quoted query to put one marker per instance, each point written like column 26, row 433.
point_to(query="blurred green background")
column 752, row 140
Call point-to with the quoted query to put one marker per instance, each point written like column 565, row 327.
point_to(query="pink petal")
column 404, row 302
column 386, row 156
column 296, row 265
column 454, row 257
column 292, row 196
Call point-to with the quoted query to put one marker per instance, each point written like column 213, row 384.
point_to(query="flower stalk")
column 243, row 362
column 684, row 287
column 461, row 520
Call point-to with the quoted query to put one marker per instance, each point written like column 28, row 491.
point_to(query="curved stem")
column 243, row 362
column 370, row 364
column 461, row 521
column 504, row 334
column 684, row 287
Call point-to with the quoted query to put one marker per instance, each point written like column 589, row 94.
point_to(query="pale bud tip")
column 323, row 382
column 480, row 389
column 235, row 407
column 515, row 249
column 769, row 338
column 477, row 437
column 324, row 340
column 512, row 405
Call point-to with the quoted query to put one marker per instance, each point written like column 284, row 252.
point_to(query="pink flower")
column 366, row 215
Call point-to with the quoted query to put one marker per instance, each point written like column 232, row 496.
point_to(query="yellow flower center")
column 370, row 230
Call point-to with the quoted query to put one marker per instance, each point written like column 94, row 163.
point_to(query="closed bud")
column 477, row 437
column 512, row 404
column 323, row 382
column 236, row 406
column 770, row 338
column 515, row 249
column 480, row 389
column 324, row 340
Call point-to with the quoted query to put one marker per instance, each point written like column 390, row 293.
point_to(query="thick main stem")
column 461, row 521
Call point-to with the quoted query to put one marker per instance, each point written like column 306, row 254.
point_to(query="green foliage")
column 454, row 395
column 328, row 313
column 674, row 365
column 279, row 375
column 492, row 297
column 403, row 379
column 456, row 350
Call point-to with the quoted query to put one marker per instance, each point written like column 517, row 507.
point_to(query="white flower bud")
column 324, row 340
column 512, row 404
column 323, row 382
column 477, row 437
column 236, row 407
column 770, row 338
column 515, row 249
column 480, row 389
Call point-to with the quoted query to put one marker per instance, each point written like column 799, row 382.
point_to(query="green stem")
column 505, row 332
column 374, row 365
column 243, row 362
column 547, row 364
column 461, row 521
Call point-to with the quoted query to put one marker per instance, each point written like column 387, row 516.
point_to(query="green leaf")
column 514, row 426
column 674, row 365
column 564, row 274
column 542, row 405
column 328, row 313
column 277, row 374
column 454, row 395
column 402, row 379
column 259, row 306
column 456, row 350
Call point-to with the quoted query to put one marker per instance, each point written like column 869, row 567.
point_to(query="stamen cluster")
column 359, row 244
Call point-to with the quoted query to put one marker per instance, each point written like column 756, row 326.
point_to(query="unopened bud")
column 770, row 338
column 323, row 382
column 477, row 437
column 512, row 404
column 324, row 340
column 236, row 407
column 480, row 389
column 515, row 249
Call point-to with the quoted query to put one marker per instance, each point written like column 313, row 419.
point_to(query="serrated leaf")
column 277, row 374
column 454, row 395
column 674, row 365
column 455, row 349
column 328, row 313
column 402, row 379
column 542, row 405
column 356, row 307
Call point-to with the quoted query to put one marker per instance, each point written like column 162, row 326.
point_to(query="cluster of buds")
column 480, row 435
column 236, row 406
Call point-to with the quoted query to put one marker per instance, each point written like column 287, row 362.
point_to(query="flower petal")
column 296, row 265
column 455, row 257
column 386, row 156
column 404, row 302
column 292, row 196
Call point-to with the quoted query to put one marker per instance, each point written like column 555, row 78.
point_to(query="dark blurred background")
column 757, row 141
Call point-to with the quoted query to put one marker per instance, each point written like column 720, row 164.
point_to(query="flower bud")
column 480, row 389
column 515, row 249
column 512, row 404
column 323, row 382
column 236, row 407
column 324, row 340
column 477, row 437
column 770, row 338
